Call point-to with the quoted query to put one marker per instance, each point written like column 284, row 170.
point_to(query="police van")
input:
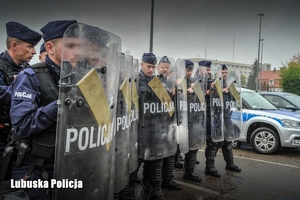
column 265, row 127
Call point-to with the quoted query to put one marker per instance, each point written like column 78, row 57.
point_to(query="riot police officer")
column 194, row 125
column 149, row 184
column 34, row 108
column 164, row 68
column 211, row 146
column 156, row 125
column 227, row 145
column 20, row 44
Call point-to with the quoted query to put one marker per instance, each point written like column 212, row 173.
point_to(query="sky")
column 226, row 30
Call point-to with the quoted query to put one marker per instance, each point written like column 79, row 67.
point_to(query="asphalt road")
column 263, row 177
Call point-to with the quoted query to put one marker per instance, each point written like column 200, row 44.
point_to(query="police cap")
column 21, row 32
column 95, row 35
column 56, row 29
column 189, row 64
column 149, row 58
column 224, row 67
column 204, row 63
column 164, row 59
column 42, row 48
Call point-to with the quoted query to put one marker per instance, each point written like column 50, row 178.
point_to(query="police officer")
column 227, row 145
column 190, row 157
column 43, row 53
column 211, row 146
column 34, row 108
column 153, row 125
column 164, row 68
column 20, row 42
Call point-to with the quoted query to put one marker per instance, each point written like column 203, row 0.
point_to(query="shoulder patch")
column 24, row 95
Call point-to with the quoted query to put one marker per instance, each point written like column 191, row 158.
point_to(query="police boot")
column 124, row 193
column 167, row 172
column 116, row 196
column 228, row 157
column 178, row 159
column 155, row 193
column 189, row 166
column 210, row 153
column 178, row 165
column 145, row 183
column 132, row 180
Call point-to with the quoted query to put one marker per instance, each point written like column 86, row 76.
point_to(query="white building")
column 245, row 69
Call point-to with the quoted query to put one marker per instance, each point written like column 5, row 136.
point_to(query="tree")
column 296, row 58
column 290, row 77
column 243, row 80
column 251, row 83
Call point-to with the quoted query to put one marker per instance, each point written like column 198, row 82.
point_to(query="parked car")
column 266, row 127
column 283, row 100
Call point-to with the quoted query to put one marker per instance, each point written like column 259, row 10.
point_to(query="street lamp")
column 261, row 15
column 151, row 27
column 262, row 46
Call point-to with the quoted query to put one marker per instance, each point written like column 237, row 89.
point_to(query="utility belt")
column 17, row 152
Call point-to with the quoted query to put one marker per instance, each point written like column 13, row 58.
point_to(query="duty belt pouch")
column 23, row 153
column 43, row 145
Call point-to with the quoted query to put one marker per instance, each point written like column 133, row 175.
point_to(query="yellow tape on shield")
column 92, row 90
column 161, row 92
column 219, row 88
column 134, row 95
column 199, row 92
column 125, row 88
column 233, row 91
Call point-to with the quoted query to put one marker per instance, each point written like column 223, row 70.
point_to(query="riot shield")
column 232, row 105
column 216, row 103
column 133, row 133
column 157, row 126
column 123, row 124
column 197, row 108
column 88, row 89
column 181, row 107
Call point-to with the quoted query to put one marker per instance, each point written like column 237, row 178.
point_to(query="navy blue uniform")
column 8, row 68
column 29, row 117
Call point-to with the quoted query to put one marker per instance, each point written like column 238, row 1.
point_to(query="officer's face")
column 93, row 54
column 71, row 50
column 42, row 56
column 224, row 74
column 163, row 68
column 23, row 52
column 207, row 70
column 188, row 73
column 147, row 68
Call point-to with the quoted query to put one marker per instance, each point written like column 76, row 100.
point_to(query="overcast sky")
column 226, row 30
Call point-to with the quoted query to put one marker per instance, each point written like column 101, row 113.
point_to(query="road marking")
column 269, row 162
column 203, row 189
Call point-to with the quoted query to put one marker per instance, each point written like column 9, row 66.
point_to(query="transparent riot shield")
column 85, row 149
column 123, row 124
column 133, row 133
column 181, row 107
column 157, row 126
column 216, row 103
column 197, row 108
column 232, row 104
